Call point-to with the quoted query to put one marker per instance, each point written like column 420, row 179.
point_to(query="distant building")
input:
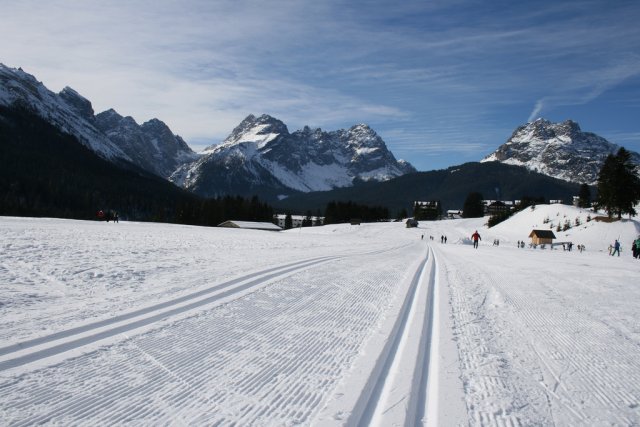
column 454, row 214
column 541, row 237
column 412, row 223
column 495, row 207
column 427, row 210
column 250, row 225
column 296, row 220
column 558, row 201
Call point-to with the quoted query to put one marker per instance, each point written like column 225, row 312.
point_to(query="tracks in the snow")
column 50, row 345
column 396, row 392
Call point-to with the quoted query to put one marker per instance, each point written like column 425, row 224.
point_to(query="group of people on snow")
column 107, row 216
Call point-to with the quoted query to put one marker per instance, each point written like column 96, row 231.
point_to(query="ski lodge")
column 541, row 237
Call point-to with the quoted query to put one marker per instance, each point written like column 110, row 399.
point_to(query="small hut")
column 541, row 237
column 412, row 223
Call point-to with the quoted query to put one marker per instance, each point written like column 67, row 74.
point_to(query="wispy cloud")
column 536, row 110
column 454, row 75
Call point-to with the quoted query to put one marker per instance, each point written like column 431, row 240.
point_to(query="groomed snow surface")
column 156, row 324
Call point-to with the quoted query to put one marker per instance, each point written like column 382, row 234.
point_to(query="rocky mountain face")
column 67, row 111
column 261, row 155
column 150, row 146
column 560, row 150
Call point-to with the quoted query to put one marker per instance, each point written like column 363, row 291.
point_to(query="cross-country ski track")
column 229, row 346
column 370, row 325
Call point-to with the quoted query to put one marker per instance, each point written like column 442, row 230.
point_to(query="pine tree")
column 473, row 207
column 584, row 196
column 618, row 185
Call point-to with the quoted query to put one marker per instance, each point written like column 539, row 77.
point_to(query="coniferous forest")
column 49, row 173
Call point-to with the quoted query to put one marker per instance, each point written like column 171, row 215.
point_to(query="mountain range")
column 261, row 157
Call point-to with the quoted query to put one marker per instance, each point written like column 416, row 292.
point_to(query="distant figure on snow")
column 475, row 237
column 635, row 246
column 616, row 248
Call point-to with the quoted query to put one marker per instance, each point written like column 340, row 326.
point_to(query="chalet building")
column 541, row 237
column 250, row 225
column 495, row 207
column 296, row 220
column 454, row 214
column 429, row 210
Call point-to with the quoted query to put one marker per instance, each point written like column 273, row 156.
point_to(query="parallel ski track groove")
column 164, row 363
column 79, row 342
column 381, row 372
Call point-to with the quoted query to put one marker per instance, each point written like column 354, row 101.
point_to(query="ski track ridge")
column 380, row 385
column 219, row 291
column 177, row 382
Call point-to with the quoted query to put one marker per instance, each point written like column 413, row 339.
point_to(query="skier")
column 475, row 237
column 616, row 248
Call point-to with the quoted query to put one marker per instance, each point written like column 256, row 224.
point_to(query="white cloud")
column 536, row 110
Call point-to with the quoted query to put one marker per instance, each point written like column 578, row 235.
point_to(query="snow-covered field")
column 148, row 324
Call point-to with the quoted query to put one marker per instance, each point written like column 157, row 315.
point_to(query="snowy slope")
column 376, row 324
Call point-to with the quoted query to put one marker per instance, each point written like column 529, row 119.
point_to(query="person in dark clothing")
column 616, row 248
column 475, row 237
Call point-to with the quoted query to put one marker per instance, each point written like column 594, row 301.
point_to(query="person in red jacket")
column 475, row 237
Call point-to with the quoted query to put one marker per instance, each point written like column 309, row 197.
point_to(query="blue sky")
column 442, row 81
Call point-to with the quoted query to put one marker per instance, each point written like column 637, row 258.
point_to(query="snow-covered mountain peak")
column 151, row 145
column 68, row 111
column 254, row 133
column 561, row 150
column 261, row 152
column 77, row 102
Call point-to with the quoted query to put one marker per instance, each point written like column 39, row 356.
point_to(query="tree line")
column 48, row 173
column 340, row 212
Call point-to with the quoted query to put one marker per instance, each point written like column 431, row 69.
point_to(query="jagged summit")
column 261, row 152
column 561, row 150
column 67, row 111
column 151, row 146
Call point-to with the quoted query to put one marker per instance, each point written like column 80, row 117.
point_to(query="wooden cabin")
column 541, row 237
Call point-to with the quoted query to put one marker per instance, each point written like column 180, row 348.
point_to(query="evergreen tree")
column 618, row 185
column 308, row 220
column 288, row 222
column 473, row 207
column 584, row 196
